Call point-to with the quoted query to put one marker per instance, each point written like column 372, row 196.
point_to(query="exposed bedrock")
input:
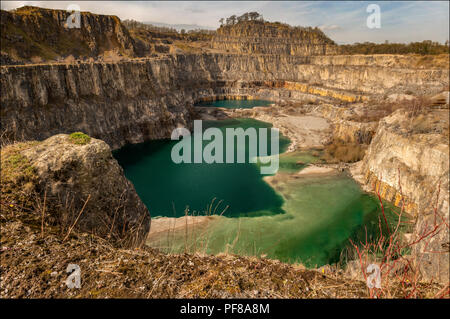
column 272, row 38
column 410, row 160
column 32, row 32
column 407, row 163
column 77, row 184
column 141, row 99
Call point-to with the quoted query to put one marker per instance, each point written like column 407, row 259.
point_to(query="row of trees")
column 198, row 31
column 133, row 24
column 248, row 16
column 424, row 47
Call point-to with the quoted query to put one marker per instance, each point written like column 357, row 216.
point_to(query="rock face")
column 79, row 177
column 258, row 37
column 142, row 99
column 409, row 164
column 36, row 32
column 419, row 156
column 118, row 103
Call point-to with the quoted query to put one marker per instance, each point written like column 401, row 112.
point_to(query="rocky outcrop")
column 142, row 99
column 409, row 166
column 258, row 37
column 405, row 162
column 119, row 102
column 32, row 32
column 74, row 182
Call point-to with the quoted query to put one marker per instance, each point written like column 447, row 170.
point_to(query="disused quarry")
column 388, row 120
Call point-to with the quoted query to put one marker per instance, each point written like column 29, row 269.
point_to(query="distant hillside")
column 256, row 36
column 32, row 33
column 164, row 39
column 180, row 27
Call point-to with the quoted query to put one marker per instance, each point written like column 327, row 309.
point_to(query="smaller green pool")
column 235, row 104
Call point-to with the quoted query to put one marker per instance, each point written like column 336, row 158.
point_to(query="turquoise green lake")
column 305, row 219
column 168, row 188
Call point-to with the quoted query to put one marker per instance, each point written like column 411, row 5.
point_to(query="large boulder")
column 80, row 184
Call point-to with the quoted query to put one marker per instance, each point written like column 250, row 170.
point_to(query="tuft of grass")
column 18, row 174
column 79, row 138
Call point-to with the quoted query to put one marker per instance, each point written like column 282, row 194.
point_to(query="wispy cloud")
column 343, row 21
column 329, row 27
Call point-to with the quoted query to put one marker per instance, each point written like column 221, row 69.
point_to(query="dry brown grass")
column 431, row 61
column 36, row 59
column 108, row 272
column 18, row 176
column 111, row 56
column 69, row 59
column 399, row 270
column 374, row 112
column 416, row 106
column 341, row 151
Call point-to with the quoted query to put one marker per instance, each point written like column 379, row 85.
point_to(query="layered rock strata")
column 75, row 183
column 142, row 99
column 407, row 163
column 258, row 37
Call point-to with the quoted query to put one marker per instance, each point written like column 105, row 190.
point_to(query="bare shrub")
column 5, row 138
column 417, row 106
column 376, row 111
column 36, row 59
column 398, row 270
column 341, row 151
column 69, row 59
column 111, row 56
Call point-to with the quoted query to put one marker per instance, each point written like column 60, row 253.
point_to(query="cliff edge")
column 262, row 37
column 72, row 182
column 407, row 163
column 36, row 34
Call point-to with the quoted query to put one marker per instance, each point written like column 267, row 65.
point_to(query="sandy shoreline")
column 316, row 170
column 305, row 131
column 162, row 225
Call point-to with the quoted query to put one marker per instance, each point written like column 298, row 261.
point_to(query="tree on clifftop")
column 248, row 16
column 231, row 20
column 255, row 16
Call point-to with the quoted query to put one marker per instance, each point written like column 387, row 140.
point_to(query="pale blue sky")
column 343, row 21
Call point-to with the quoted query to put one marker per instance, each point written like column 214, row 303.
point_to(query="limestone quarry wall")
column 141, row 99
column 258, row 37
column 271, row 46
column 37, row 32
column 412, row 170
column 409, row 168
